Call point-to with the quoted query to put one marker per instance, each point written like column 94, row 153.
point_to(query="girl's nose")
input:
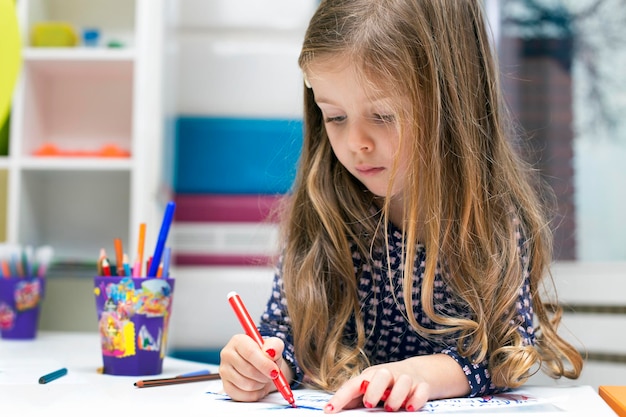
column 359, row 140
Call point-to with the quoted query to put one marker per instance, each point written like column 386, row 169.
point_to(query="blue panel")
column 211, row 356
column 236, row 156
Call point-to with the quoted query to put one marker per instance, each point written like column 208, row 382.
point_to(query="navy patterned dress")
column 390, row 337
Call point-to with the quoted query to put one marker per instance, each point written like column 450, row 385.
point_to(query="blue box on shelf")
column 235, row 155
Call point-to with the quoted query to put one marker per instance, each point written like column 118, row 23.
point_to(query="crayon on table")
column 52, row 376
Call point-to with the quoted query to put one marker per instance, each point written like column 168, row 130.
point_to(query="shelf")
column 86, row 129
column 77, row 54
column 76, row 164
column 75, row 213
column 4, row 162
column 77, row 104
column 114, row 18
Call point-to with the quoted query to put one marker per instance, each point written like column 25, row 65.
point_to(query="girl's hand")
column 403, row 385
column 246, row 371
column 379, row 384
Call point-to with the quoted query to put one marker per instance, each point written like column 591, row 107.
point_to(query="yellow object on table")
column 53, row 34
column 615, row 397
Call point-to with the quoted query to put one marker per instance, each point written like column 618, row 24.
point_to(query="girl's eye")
column 335, row 119
column 384, row 118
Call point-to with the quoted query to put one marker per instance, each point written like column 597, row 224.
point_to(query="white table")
column 84, row 391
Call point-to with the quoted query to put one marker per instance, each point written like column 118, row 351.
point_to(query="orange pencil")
column 6, row 271
column 119, row 256
column 140, row 246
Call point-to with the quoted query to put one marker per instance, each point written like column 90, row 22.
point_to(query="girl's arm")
column 408, row 384
column 402, row 385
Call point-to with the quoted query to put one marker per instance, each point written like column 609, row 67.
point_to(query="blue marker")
column 52, row 376
column 165, row 228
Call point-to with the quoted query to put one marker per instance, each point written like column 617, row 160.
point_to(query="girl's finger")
column 418, row 398
column 346, row 397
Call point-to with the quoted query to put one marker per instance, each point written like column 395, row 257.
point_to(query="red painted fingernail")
column 385, row 395
column 274, row 374
column 410, row 408
column 368, row 405
column 271, row 352
column 329, row 407
column 363, row 387
column 388, row 408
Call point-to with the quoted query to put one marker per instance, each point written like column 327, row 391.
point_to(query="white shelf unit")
column 81, row 99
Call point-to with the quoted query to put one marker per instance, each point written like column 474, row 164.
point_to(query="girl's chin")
column 377, row 191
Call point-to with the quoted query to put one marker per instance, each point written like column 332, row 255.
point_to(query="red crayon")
column 251, row 330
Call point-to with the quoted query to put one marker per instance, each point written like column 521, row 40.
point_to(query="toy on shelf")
column 53, row 34
column 106, row 151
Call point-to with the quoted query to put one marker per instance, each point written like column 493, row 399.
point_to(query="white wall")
column 239, row 57
column 236, row 58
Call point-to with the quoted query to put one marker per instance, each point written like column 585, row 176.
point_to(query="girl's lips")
column 366, row 170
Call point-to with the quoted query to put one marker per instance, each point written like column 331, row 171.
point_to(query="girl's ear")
column 306, row 80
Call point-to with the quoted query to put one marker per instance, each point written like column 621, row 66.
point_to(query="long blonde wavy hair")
column 465, row 186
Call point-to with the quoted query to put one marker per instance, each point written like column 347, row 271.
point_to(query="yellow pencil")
column 101, row 258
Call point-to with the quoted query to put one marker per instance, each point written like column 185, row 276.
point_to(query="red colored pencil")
column 106, row 268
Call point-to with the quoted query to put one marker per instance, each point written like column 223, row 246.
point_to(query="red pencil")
column 251, row 330
column 106, row 268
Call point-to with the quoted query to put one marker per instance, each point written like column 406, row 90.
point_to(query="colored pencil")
column 166, row 262
column 126, row 266
column 106, row 268
column 119, row 256
column 165, row 228
column 140, row 248
column 176, row 380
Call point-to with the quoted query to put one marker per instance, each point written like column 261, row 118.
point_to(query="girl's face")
column 362, row 127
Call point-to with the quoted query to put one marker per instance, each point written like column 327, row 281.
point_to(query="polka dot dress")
column 389, row 336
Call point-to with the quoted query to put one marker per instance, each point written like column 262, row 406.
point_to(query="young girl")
column 415, row 242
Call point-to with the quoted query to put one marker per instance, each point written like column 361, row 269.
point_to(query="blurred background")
column 122, row 106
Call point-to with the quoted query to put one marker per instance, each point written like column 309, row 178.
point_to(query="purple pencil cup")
column 133, row 318
column 20, row 303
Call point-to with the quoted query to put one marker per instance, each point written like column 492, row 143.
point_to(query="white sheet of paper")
column 521, row 400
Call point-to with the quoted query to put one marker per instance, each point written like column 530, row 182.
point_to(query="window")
column 563, row 73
